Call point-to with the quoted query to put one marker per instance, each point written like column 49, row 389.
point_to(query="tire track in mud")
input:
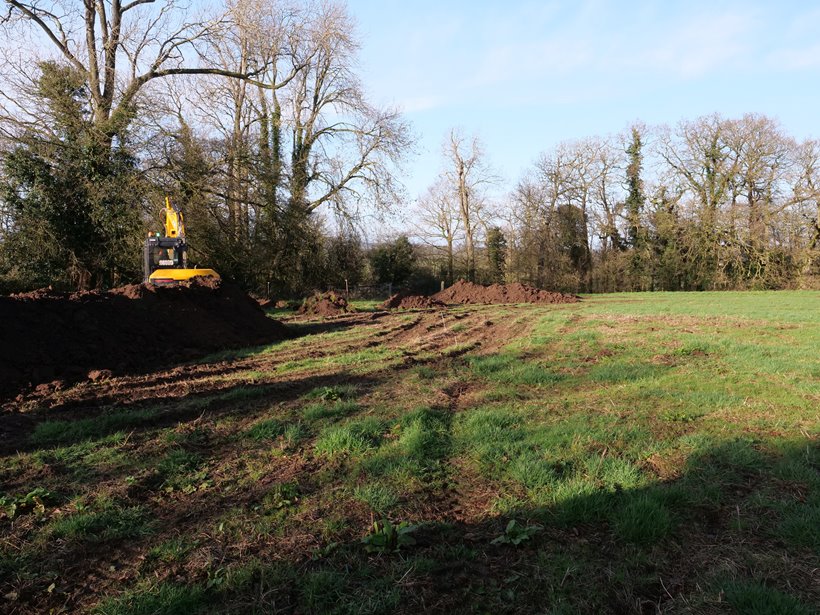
column 189, row 379
column 423, row 338
column 461, row 495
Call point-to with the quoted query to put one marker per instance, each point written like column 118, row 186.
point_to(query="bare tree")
column 801, row 222
column 440, row 221
column 468, row 176
column 571, row 174
column 807, row 189
column 763, row 157
column 528, row 218
column 118, row 47
column 602, row 172
column 700, row 158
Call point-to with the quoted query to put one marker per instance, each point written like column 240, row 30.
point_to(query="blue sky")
column 524, row 76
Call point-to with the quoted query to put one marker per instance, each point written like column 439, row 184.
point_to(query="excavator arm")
column 174, row 222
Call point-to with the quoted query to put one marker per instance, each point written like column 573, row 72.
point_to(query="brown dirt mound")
column 467, row 292
column 325, row 304
column 410, row 302
column 48, row 335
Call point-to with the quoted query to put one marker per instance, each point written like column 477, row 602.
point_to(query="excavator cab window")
column 168, row 258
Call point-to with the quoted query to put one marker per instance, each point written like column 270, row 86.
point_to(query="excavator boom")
column 174, row 222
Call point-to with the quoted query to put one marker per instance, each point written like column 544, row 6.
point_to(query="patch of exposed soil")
column 411, row 302
column 325, row 304
column 49, row 336
column 468, row 292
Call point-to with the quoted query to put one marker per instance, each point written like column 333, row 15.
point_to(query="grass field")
column 634, row 453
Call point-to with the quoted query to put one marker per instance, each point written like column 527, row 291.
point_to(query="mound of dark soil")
column 467, row 292
column 325, row 304
column 410, row 302
column 48, row 335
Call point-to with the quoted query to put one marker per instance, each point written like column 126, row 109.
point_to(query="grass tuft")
column 80, row 430
column 109, row 523
column 269, row 429
column 642, row 520
column 352, row 437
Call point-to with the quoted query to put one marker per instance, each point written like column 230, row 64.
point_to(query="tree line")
column 713, row 203
column 253, row 119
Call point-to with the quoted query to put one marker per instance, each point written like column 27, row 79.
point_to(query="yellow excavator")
column 165, row 259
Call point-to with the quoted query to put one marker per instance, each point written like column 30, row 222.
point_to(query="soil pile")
column 467, row 292
column 325, row 304
column 48, row 335
column 410, row 302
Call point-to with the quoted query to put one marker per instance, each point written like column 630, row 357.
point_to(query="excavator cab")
column 165, row 259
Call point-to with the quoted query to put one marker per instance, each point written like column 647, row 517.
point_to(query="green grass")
column 110, row 522
column 365, row 305
column 351, row 437
column 70, row 432
column 324, row 410
column 657, row 452
column 171, row 551
column 268, row 429
column 642, row 520
column 166, row 598
column 359, row 362
column 754, row 598
column 380, row 498
column 511, row 369
column 182, row 470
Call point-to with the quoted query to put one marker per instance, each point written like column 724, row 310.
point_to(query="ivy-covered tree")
column 572, row 238
column 635, row 198
column 496, row 254
column 71, row 197
column 636, row 232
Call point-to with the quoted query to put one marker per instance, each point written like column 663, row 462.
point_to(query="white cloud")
column 700, row 45
column 795, row 59
column 417, row 104
column 596, row 44
column 531, row 53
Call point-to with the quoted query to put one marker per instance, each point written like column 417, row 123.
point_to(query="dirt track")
column 56, row 339
column 49, row 339
column 414, row 334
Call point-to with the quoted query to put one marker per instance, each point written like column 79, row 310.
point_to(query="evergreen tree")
column 345, row 259
column 72, row 197
column 393, row 262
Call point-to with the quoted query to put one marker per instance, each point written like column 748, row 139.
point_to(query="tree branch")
column 62, row 44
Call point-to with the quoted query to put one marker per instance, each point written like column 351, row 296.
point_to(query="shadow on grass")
column 736, row 532
column 728, row 536
column 76, row 374
column 40, row 431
